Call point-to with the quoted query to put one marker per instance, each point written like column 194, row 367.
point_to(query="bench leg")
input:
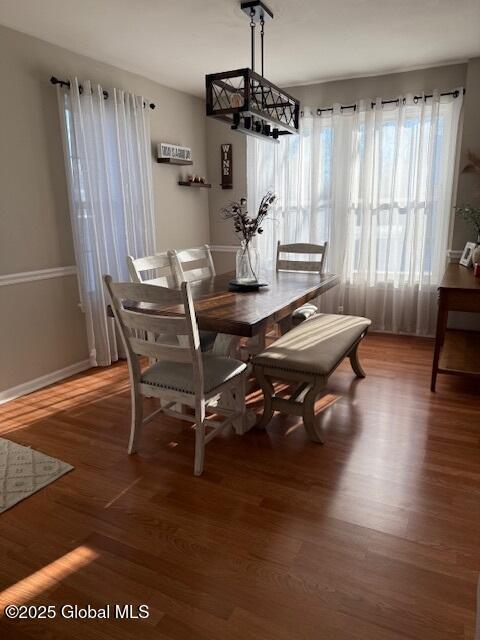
column 268, row 393
column 355, row 362
column 313, row 431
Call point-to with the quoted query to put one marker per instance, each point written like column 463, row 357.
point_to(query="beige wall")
column 468, row 184
column 42, row 329
column 221, row 232
column 346, row 92
column 34, row 223
column 386, row 86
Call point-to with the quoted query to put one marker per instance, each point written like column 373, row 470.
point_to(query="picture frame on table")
column 466, row 259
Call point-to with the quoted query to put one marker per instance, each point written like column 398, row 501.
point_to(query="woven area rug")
column 24, row 471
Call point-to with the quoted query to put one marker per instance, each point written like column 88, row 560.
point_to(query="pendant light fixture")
column 247, row 100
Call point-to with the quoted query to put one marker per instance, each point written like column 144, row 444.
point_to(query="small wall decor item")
column 195, row 181
column 246, row 228
column 467, row 255
column 173, row 154
column 227, row 166
column 195, row 178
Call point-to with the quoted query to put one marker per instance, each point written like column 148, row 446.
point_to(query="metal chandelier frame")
column 247, row 100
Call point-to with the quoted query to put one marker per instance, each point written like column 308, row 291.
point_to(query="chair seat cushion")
column 178, row 376
column 304, row 312
column 316, row 346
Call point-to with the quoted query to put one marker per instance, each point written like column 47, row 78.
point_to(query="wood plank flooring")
column 373, row 536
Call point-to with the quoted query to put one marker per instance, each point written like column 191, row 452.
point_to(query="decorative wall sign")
column 173, row 152
column 227, row 166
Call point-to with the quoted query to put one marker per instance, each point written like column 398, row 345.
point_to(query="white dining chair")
column 159, row 266
column 161, row 271
column 182, row 375
column 192, row 264
column 319, row 251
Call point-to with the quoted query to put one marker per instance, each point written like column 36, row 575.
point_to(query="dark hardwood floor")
column 374, row 536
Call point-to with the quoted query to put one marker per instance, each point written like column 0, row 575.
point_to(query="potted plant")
column 246, row 228
column 471, row 215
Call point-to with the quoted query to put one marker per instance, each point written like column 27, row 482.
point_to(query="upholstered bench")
column 308, row 355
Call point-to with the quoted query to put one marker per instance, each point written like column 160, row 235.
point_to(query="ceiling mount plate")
column 261, row 10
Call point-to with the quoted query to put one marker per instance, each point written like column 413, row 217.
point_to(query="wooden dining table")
column 248, row 313
column 236, row 314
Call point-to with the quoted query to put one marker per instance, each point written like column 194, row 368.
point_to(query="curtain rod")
column 455, row 94
column 66, row 83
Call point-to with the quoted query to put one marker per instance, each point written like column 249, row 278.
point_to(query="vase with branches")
column 246, row 228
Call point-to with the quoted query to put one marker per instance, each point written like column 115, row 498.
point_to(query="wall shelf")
column 173, row 161
column 205, row 185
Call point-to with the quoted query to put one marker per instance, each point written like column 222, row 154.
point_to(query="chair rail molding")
column 227, row 248
column 40, row 274
column 43, row 381
column 454, row 255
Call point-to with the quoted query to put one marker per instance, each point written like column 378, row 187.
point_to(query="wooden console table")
column 456, row 352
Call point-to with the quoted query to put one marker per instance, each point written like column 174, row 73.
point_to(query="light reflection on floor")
column 47, row 577
column 395, row 453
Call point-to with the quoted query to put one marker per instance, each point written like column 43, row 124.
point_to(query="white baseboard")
column 43, row 381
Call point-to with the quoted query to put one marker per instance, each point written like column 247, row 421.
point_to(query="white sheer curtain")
column 377, row 184
column 108, row 165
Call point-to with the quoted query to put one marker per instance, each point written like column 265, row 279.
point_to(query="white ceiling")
column 176, row 42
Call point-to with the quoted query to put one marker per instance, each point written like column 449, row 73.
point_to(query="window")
column 375, row 183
